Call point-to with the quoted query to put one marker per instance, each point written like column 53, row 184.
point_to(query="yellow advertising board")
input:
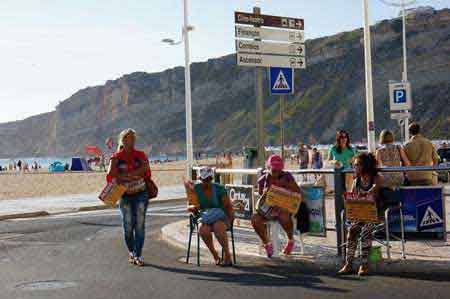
column 360, row 209
column 283, row 198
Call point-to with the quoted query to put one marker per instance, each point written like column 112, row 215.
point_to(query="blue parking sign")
column 400, row 96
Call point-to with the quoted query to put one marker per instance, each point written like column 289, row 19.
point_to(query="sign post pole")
column 259, row 108
column 282, row 125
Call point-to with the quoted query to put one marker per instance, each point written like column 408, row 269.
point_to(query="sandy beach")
column 16, row 185
column 40, row 184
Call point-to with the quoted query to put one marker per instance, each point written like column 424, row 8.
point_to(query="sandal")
column 131, row 258
column 218, row 262
column 139, row 261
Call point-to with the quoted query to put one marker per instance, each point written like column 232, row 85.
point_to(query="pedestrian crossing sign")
column 281, row 80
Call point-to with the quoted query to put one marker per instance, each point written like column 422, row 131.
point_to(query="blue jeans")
column 134, row 209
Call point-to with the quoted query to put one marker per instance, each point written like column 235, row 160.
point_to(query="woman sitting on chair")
column 277, row 177
column 367, row 182
column 215, row 212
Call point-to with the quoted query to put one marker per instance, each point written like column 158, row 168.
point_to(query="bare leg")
column 220, row 231
column 205, row 233
column 286, row 222
column 259, row 224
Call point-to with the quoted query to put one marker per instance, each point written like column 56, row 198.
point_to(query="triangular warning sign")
column 430, row 218
column 281, row 82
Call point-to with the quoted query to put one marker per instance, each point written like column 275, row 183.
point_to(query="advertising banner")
column 423, row 210
column 241, row 197
column 314, row 198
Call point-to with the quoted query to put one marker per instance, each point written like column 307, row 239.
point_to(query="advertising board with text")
column 241, row 197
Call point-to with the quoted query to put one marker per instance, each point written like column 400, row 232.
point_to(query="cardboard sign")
column 283, row 198
column 360, row 208
column 191, row 195
column 112, row 193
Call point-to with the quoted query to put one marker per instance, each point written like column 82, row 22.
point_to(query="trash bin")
column 250, row 161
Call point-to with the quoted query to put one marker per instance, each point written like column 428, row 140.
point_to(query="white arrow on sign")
column 295, row 62
column 281, row 35
column 247, row 46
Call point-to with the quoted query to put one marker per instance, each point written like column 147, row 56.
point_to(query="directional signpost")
column 281, row 45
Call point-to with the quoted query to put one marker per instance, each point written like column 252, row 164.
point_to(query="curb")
column 76, row 210
column 24, row 215
column 332, row 263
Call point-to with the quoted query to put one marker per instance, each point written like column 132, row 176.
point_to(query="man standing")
column 420, row 152
column 303, row 158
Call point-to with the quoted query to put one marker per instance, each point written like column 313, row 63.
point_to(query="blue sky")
column 49, row 49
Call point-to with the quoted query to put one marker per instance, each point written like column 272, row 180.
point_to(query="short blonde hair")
column 122, row 136
column 386, row 136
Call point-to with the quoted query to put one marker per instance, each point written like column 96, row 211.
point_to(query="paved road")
column 83, row 256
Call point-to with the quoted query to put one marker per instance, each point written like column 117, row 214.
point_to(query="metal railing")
column 339, row 184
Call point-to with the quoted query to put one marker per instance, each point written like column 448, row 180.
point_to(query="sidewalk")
column 423, row 256
column 69, row 203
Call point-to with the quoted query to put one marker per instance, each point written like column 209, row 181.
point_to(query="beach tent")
column 79, row 164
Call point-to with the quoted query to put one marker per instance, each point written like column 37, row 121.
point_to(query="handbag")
column 152, row 189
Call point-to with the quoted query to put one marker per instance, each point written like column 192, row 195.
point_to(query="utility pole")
column 369, row 87
column 187, row 87
column 259, row 108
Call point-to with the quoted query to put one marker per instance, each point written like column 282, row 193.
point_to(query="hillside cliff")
column 330, row 94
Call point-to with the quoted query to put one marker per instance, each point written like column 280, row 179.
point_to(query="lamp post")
column 403, row 4
column 187, row 87
column 369, row 88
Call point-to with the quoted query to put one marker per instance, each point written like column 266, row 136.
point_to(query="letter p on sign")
column 400, row 96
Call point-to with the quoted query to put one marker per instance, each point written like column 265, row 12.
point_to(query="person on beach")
column 391, row 155
column 420, row 152
column 303, row 158
column 278, row 177
column 130, row 167
column 316, row 161
column 216, row 214
column 366, row 183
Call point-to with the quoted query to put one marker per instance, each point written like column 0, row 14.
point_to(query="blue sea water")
column 45, row 162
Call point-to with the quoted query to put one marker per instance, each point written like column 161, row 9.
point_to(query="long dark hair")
column 368, row 163
column 338, row 144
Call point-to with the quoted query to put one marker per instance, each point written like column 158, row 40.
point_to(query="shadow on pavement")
column 257, row 276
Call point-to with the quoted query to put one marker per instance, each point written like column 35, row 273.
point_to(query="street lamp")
column 403, row 4
column 187, row 87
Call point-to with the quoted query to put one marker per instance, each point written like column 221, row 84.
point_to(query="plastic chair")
column 194, row 225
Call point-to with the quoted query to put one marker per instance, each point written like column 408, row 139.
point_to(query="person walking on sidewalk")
column 216, row 214
column 420, row 152
column 367, row 183
column 130, row 167
column 277, row 177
